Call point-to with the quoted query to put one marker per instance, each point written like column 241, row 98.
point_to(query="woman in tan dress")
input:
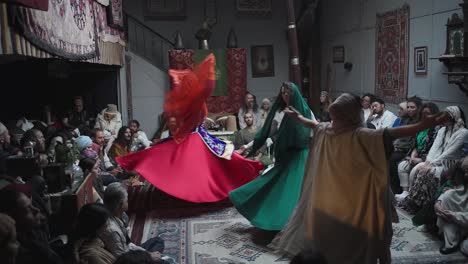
column 344, row 209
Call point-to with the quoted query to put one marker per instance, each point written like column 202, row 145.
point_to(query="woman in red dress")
column 192, row 165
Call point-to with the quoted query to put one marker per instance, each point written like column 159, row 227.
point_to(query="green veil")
column 291, row 133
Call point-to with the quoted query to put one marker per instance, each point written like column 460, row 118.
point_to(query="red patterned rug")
column 392, row 55
column 236, row 60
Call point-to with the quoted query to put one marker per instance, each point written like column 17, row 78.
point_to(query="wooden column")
column 294, row 66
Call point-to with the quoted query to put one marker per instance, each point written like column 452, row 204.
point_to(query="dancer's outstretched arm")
column 290, row 111
column 425, row 123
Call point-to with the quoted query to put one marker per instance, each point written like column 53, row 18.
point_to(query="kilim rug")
column 199, row 236
column 67, row 29
column 392, row 55
column 409, row 245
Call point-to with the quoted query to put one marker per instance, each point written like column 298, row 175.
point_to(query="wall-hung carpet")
column 392, row 55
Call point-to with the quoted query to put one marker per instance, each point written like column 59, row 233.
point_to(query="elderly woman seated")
column 451, row 209
column 115, row 235
column 88, row 247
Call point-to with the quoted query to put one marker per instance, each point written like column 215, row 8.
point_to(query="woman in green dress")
column 268, row 201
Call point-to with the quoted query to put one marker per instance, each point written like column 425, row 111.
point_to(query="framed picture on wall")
column 263, row 61
column 254, row 8
column 338, row 54
column 164, row 9
column 420, row 60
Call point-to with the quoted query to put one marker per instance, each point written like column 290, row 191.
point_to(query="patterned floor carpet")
column 217, row 233
column 409, row 245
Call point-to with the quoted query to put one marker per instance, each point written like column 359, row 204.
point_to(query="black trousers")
column 393, row 162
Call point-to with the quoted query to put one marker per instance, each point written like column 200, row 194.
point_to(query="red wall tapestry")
column 392, row 54
column 237, row 78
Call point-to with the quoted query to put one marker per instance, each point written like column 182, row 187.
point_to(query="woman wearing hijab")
column 344, row 209
column 268, row 201
column 264, row 111
column 445, row 151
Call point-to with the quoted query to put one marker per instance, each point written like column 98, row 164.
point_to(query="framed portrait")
column 338, row 54
column 254, row 8
column 263, row 61
column 420, row 60
column 165, row 9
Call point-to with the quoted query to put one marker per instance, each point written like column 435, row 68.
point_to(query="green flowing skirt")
column 269, row 200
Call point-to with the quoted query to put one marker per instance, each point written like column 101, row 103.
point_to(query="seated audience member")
column 137, row 257
column 403, row 145
column 90, row 167
column 78, row 117
column 34, row 244
column 402, row 111
column 419, row 150
column 445, row 151
column 366, row 100
column 24, row 124
column 87, row 246
column 99, row 145
column 249, row 106
column 84, row 144
column 139, row 139
column 121, row 145
column 109, row 120
column 6, row 150
column 308, row 256
column 40, row 199
column 171, row 128
column 33, row 145
column 451, row 209
column 245, row 136
column 264, row 110
column 35, row 139
column 8, row 244
column 325, row 102
column 381, row 117
column 115, row 236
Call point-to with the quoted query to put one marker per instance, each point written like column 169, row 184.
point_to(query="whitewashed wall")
column 149, row 85
column 249, row 32
column 351, row 23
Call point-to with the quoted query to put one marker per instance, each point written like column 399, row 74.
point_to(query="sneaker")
column 400, row 197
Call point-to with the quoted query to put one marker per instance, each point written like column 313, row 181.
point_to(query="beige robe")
column 344, row 210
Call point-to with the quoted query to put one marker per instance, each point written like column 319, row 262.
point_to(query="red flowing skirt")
column 190, row 171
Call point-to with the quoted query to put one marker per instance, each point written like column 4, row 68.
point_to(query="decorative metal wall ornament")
column 232, row 39
column 179, row 44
